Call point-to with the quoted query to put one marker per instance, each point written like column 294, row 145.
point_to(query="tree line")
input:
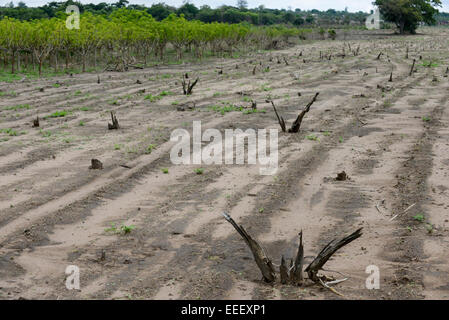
column 126, row 36
column 225, row 14
column 405, row 14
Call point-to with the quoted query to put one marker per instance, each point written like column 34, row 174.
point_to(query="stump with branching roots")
column 187, row 87
column 294, row 274
column 297, row 123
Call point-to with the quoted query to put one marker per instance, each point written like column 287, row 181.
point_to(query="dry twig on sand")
column 403, row 212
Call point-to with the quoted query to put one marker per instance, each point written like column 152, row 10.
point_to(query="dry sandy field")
column 144, row 228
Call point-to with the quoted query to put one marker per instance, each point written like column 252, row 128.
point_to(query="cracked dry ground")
column 392, row 142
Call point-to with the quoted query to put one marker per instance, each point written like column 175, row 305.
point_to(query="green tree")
column 298, row 21
column 121, row 3
column 407, row 14
column 310, row 19
column 188, row 10
column 160, row 11
column 242, row 4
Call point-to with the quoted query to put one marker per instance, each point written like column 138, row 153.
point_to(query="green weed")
column 18, row 107
column 199, row 171
column 419, row 217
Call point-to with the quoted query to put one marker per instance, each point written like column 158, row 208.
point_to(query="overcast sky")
column 353, row 5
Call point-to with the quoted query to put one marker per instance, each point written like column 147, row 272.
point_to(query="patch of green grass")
column 127, row 229
column 429, row 64
column 225, row 108
column 261, row 210
column 426, row 119
column 265, row 88
column 77, row 92
column 113, row 102
column 124, row 229
column 166, row 93
column 419, row 217
column 18, row 107
column 150, row 148
column 229, row 107
column 249, row 111
column 8, row 77
column 340, row 140
column 126, row 96
column 8, row 93
column 84, row 108
column 46, row 133
column 132, row 149
column 112, row 228
column 154, row 98
column 56, row 85
column 326, row 133
column 199, row 171
column 81, row 124
column 164, row 170
column 57, row 114
column 312, row 137
column 29, row 73
column 9, row 131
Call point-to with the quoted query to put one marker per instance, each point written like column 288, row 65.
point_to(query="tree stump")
column 114, row 124
column 96, row 165
column 36, row 122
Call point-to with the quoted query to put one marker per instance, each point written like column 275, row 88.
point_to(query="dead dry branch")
column 294, row 274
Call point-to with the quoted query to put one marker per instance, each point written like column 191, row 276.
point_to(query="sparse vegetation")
column 123, row 229
column 150, row 148
column 312, row 137
column 419, row 217
column 69, row 170
column 18, row 107
column 199, row 171
column 58, row 114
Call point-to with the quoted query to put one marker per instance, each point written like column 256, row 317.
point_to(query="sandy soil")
column 390, row 137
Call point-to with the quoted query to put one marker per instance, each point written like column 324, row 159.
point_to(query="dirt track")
column 393, row 145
